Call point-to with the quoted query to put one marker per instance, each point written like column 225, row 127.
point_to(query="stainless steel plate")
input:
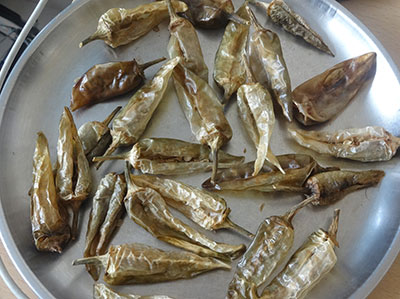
column 40, row 86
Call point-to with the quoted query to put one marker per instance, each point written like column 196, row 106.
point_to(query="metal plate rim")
column 369, row 285
column 5, row 234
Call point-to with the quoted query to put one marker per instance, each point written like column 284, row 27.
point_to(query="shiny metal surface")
column 40, row 86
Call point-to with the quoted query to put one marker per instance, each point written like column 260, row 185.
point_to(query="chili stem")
column 128, row 178
column 109, row 118
column 171, row 11
column 114, row 145
column 87, row 40
column 87, row 260
column 332, row 232
column 293, row 211
column 238, row 228
column 214, row 166
column 150, row 63
column 235, row 18
column 110, row 157
column 75, row 214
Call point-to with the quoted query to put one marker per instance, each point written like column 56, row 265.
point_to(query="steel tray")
column 40, row 85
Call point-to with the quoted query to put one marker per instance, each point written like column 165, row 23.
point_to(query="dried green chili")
column 131, row 121
column 229, row 71
column 73, row 178
column 105, row 81
column 269, row 67
column 138, row 263
column 211, row 14
column 147, row 208
column 297, row 169
column 172, row 157
column 96, row 218
column 322, row 97
column 203, row 110
column 270, row 246
column 331, row 186
column 310, row 263
column 106, row 212
column 49, row 220
column 184, row 43
column 113, row 216
column 96, row 137
column 281, row 14
column 257, row 114
column 367, row 144
column 119, row 26
column 207, row 209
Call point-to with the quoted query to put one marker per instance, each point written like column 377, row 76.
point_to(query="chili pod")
column 311, row 262
column 208, row 210
column 147, row 208
column 203, row 110
column 270, row 246
column 297, row 169
column 268, row 65
column 97, row 214
column 106, row 212
column 257, row 114
column 105, row 81
column 101, row 291
column 73, row 178
column 329, row 187
column 138, row 263
column 95, row 136
column 49, row 220
column 229, row 71
column 172, row 157
column 131, row 121
column 280, row 13
column 211, row 14
column 119, row 26
column 113, row 216
column 367, row 144
column 184, row 43
column 322, row 97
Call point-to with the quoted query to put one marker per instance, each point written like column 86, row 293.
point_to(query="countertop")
column 383, row 19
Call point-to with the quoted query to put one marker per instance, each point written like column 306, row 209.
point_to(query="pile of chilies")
column 246, row 49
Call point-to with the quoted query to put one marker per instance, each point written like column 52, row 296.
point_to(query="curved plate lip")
column 369, row 285
column 5, row 234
